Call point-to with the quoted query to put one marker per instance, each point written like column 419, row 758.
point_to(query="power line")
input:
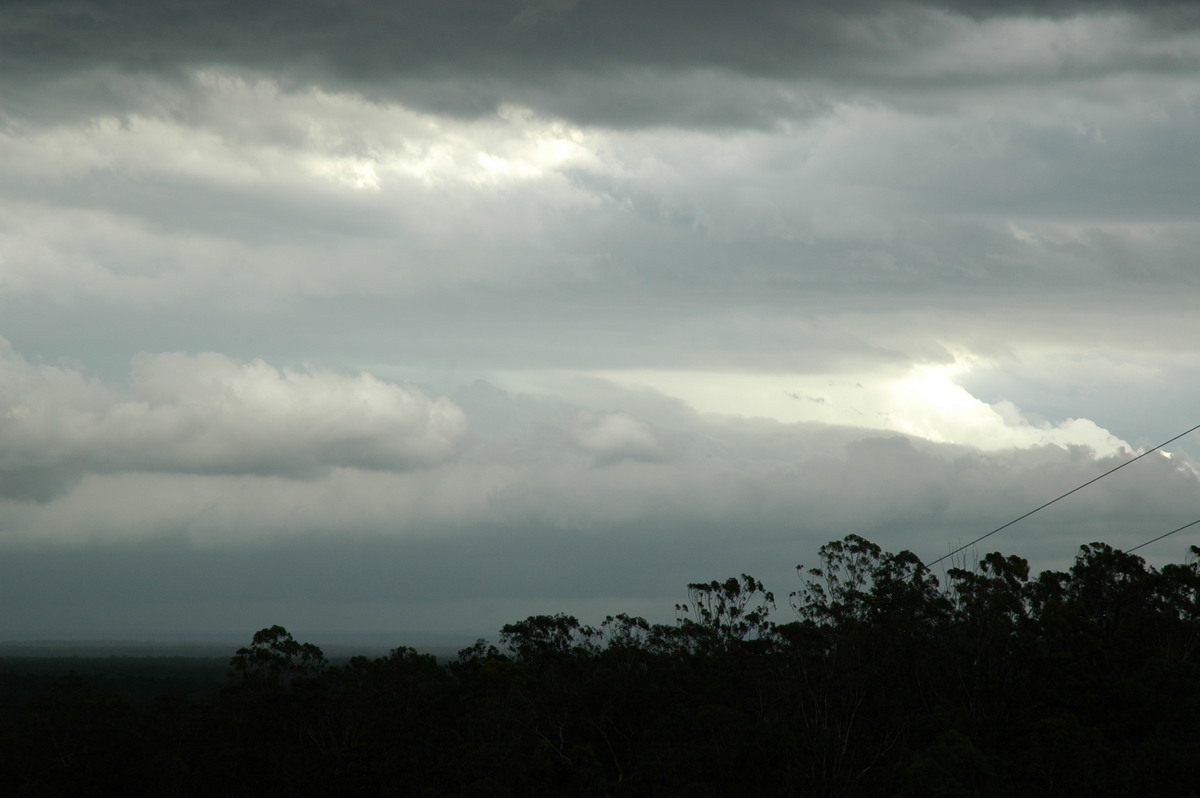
column 1068, row 493
column 1160, row 537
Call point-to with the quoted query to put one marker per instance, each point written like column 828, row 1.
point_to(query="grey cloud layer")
column 225, row 184
column 537, row 511
column 205, row 441
column 772, row 198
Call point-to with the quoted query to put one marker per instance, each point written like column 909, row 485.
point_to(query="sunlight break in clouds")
column 349, row 140
column 240, row 131
column 925, row 402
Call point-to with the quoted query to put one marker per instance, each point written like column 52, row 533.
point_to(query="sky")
column 420, row 318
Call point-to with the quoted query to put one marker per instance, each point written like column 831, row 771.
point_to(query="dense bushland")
column 883, row 681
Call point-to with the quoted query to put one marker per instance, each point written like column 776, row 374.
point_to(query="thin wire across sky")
column 1076, row 489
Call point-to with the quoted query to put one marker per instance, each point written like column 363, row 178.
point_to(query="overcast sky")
column 427, row 316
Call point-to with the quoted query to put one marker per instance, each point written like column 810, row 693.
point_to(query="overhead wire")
column 1163, row 535
column 1076, row 489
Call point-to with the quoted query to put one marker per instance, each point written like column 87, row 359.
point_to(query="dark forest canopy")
column 879, row 679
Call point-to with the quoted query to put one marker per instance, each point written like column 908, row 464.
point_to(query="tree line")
column 876, row 679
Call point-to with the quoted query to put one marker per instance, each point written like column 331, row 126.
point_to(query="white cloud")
column 234, row 129
column 616, row 436
column 232, row 185
column 209, row 413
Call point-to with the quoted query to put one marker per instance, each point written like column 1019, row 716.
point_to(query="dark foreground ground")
column 881, row 682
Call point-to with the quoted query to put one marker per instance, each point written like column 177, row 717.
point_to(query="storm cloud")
column 385, row 316
column 611, row 63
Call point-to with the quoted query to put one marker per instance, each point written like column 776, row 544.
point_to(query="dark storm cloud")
column 1163, row 10
column 604, row 62
column 373, row 40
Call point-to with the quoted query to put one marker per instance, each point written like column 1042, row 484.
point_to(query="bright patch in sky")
column 926, row 402
column 242, row 131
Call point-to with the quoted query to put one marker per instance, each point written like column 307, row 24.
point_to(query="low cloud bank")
column 210, row 414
